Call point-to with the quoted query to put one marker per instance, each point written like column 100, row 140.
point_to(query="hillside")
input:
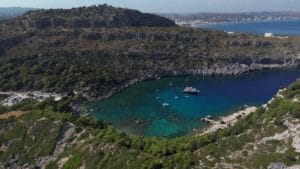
column 98, row 51
column 97, row 61
column 43, row 136
column 94, row 16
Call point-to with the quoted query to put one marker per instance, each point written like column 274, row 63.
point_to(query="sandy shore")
column 225, row 121
column 231, row 119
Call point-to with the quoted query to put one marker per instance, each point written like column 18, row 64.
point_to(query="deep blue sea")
column 139, row 109
column 291, row 27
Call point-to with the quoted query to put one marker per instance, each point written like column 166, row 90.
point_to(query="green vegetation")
column 97, row 145
column 29, row 140
column 74, row 161
column 2, row 97
column 97, row 61
column 71, row 54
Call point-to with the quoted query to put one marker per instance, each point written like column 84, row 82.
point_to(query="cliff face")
column 98, row 61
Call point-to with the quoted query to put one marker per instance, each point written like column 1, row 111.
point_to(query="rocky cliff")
column 99, row 60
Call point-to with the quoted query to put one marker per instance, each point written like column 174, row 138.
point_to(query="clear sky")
column 166, row 6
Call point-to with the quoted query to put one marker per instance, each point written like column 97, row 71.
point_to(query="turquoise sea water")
column 278, row 27
column 139, row 109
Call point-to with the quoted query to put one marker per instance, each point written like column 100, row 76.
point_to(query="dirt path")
column 11, row 114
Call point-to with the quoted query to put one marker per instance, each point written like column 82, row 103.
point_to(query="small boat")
column 176, row 97
column 191, row 90
column 165, row 104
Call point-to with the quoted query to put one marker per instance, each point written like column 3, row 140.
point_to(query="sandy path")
column 11, row 114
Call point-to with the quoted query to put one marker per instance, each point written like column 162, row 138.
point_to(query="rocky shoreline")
column 225, row 121
column 231, row 69
column 234, row 69
column 229, row 120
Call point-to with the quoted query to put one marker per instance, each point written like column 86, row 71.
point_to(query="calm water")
column 277, row 27
column 139, row 109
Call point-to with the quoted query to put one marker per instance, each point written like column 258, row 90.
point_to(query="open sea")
column 159, row 108
column 291, row 27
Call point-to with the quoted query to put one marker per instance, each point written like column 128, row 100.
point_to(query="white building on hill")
column 269, row 34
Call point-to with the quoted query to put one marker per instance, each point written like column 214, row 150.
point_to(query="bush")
column 89, row 121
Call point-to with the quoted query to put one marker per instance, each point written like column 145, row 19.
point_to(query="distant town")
column 192, row 19
column 207, row 18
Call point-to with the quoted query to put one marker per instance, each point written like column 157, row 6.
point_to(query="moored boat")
column 191, row 90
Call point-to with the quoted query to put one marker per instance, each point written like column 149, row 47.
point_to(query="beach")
column 225, row 121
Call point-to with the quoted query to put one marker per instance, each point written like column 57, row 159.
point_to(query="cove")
column 159, row 108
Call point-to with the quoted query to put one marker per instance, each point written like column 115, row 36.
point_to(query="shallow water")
column 139, row 109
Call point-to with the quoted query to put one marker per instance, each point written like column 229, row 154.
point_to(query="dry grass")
column 11, row 114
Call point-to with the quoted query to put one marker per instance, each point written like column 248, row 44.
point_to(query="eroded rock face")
column 247, row 43
column 103, row 49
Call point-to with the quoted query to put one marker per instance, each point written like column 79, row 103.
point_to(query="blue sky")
column 166, row 6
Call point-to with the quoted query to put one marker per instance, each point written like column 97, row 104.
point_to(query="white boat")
column 165, row 104
column 191, row 90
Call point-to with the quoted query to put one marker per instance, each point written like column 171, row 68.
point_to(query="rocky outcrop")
column 241, row 43
column 63, row 142
column 217, row 69
column 282, row 166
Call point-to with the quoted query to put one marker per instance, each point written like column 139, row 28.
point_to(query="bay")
column 159, row 108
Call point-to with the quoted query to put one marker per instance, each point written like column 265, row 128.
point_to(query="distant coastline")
column 194, row 19
column 279, row 27
column 233, row 22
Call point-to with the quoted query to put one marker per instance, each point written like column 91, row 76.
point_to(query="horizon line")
column 186, row 13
